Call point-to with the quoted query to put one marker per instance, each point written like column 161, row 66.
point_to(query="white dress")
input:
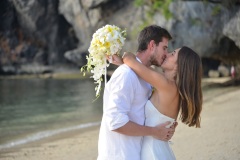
column 154, row 149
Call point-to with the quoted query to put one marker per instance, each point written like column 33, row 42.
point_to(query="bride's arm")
column 156, row 79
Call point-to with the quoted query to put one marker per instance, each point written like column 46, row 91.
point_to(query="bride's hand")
column 115, row 59
column 127, row 56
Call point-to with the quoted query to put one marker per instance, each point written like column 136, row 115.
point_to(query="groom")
column 125, row 95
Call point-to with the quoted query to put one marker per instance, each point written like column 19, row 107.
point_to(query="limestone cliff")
column 58, row 32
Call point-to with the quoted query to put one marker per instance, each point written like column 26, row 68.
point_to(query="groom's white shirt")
column 124, row 98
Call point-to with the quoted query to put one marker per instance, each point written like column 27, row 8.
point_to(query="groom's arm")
column 117, row 105
column 158, row 132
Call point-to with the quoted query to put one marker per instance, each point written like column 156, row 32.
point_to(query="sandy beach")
column 217, row 139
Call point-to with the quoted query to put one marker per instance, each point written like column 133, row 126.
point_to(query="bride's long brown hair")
column 189, row 75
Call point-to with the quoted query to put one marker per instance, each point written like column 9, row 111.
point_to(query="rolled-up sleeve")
column 118, row 104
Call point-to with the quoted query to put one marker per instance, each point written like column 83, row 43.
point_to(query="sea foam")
column 45, row 134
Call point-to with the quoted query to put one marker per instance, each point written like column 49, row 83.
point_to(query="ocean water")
column 32, row 109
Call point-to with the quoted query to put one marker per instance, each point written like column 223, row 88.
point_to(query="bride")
column 176, row 90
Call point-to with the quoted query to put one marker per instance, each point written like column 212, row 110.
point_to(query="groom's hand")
column 163, row 133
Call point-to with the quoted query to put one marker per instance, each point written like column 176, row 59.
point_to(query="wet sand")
column 217, row 139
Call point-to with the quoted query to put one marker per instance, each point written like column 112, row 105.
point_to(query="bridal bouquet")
column 106, row 41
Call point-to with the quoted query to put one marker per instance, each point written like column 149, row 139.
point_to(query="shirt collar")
column 138, row 60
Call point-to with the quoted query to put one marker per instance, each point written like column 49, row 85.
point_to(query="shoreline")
column 46, row 135
column 49, row 142
column 70, row 75
column 217, row 139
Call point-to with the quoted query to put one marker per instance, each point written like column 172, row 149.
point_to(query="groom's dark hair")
column 152, row 32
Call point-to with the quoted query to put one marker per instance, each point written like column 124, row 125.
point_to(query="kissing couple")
column 141, row 106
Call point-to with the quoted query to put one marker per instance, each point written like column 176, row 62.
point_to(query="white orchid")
column 107, row 40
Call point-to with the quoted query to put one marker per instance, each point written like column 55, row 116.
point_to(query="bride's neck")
column 170, row 75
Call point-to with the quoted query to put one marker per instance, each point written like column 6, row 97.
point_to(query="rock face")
column 42, row 32
column 200, row 26
column 232, row 28
column 87, row 16
column 32, row 31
